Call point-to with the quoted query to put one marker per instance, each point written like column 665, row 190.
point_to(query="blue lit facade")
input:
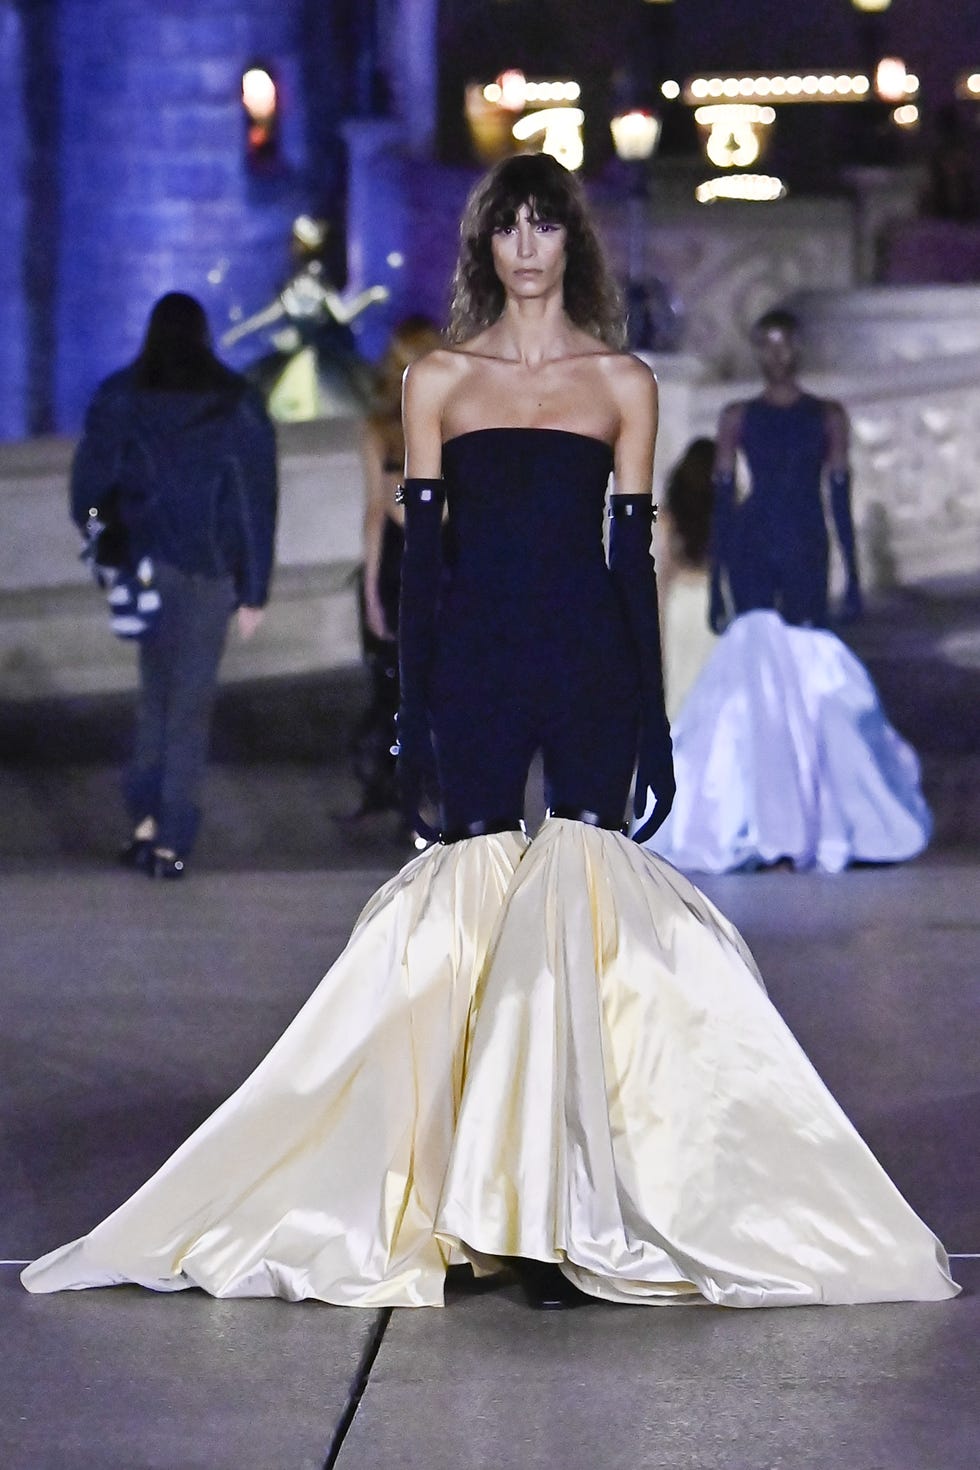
column 125, row 174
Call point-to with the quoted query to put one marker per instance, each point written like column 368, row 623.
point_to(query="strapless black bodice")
column 525, row 526
column 532, row 651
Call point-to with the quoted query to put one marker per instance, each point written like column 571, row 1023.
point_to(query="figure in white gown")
column 556, row 1051
column 683, row 534
column 781, row 748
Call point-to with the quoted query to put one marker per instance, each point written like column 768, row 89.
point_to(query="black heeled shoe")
column 168, row 867
column 137, row 853
column 546, row 1288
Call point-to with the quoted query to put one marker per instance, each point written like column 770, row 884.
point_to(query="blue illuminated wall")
column 155, row 192
column 13, row 306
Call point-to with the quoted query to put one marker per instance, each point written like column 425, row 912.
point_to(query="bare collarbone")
column 573, row 390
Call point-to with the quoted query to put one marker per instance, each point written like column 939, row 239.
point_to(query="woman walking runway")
column 556, row 1054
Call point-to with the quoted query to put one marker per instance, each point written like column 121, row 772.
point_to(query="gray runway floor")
column 130, row 1009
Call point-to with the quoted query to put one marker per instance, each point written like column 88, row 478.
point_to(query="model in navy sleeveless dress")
column 783, row 752
column 777, row 549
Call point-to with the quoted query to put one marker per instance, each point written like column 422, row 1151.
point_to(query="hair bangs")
column 552, row 195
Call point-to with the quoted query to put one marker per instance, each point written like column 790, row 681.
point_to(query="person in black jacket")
column 186, row 447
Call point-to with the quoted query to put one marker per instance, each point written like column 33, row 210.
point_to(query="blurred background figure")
column 683, row 570
column 782, row 751
column 186, row 449
column 951, row 192
column 772, row 547
column 314, row 369
column 383, row 450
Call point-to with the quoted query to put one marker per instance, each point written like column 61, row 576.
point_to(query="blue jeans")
column 178, row 667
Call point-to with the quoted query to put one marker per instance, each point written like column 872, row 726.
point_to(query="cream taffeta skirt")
column 559, row 1051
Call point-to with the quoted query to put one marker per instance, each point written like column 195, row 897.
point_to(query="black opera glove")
column 840, row 506
column 421, row 574
column 632, row 569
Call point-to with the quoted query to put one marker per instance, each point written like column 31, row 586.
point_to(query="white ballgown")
column 782, row 750
column 559, row 1051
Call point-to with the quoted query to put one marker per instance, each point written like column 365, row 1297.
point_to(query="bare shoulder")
column 435, row 367
column 429, row 379
column 834, row 412
column 730, row 422
column 733, row 413
column 633, row 384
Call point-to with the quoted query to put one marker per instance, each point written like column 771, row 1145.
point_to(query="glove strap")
column 627, row 507
column 419, row 493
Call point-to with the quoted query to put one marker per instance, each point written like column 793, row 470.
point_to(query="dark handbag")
column 131, row 590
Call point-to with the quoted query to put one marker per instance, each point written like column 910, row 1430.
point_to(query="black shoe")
column 138, row 854
column 169, row 868
column 545, row 1288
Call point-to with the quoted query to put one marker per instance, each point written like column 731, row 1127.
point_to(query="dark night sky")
column 937, row 38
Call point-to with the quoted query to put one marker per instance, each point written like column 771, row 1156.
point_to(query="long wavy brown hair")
column 411, row 339
column 413, row 336
column 689, row 502
column 591, row 296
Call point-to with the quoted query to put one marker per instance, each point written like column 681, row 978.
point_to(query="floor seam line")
column 357, row 1388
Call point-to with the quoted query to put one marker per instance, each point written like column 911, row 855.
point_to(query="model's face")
column 778, row 354
column 529, row 255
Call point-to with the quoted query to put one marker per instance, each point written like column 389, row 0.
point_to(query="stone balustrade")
column 916, row 459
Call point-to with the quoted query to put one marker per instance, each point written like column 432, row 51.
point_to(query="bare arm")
column 343, row 311
column 375, row 514
column 837, row 429
column 423, row 396
column 728, row 438
column 635, row 390
column 267, row 317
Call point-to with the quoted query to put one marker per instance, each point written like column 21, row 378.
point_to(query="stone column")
column 407, row 33
column 156, row 194
column 13, row 312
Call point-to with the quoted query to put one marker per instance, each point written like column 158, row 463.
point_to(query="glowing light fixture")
column 561, row 130
column 891, row 78
column 805, row 87
column 749, row 188
column 260, row 97
column 734, row 132
column 260, row 103
column 906, row 116
column 513, row 90
column 871, row 7
column 635, row 135
column 671, row 90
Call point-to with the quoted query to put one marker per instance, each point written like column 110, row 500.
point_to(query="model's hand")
column 852, row 605
column 248, row 619
column 654, row 772
column 374, row 619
